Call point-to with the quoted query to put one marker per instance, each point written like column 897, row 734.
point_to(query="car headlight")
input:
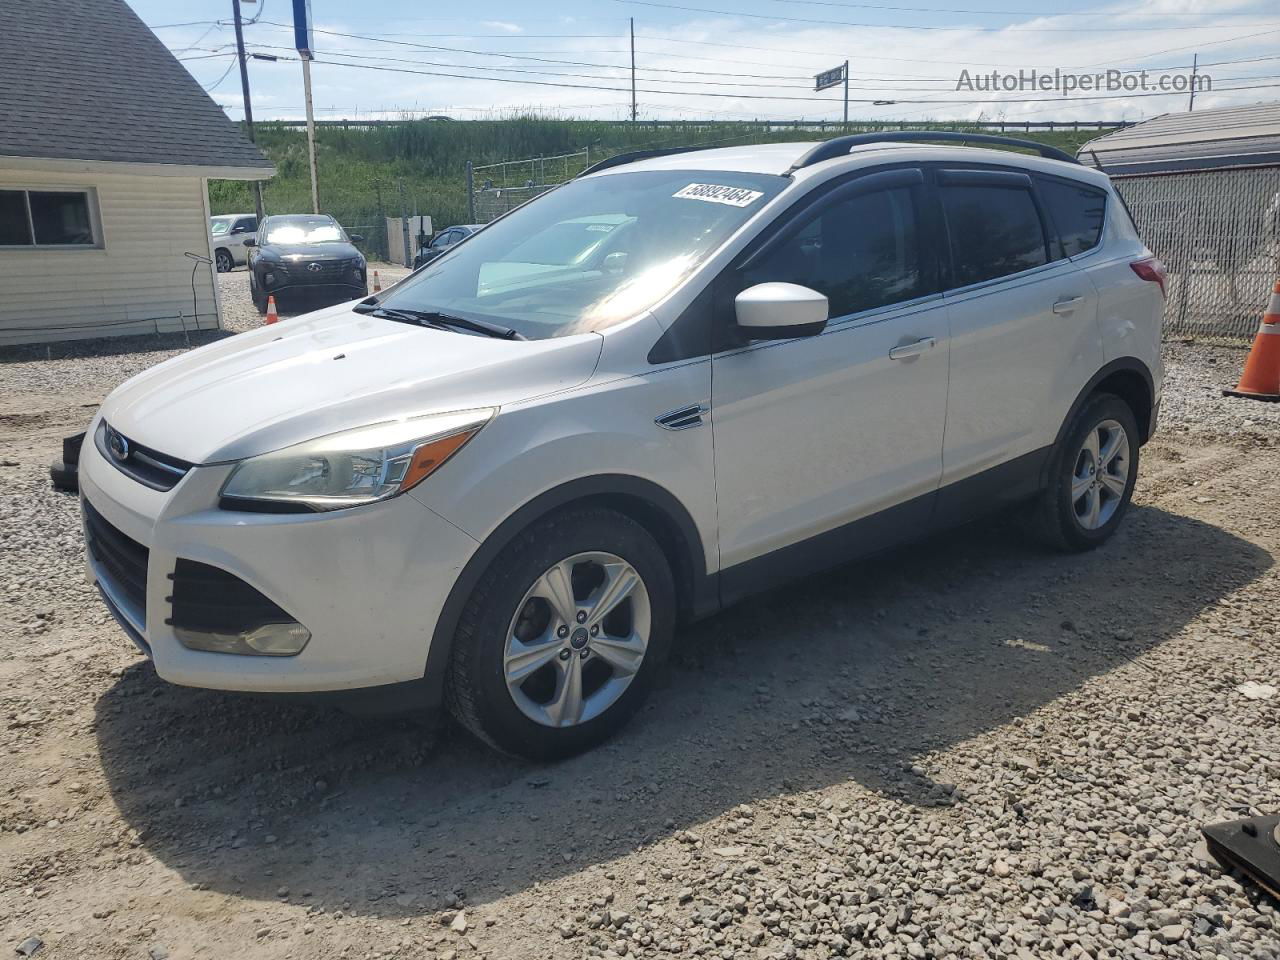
column 355, row 466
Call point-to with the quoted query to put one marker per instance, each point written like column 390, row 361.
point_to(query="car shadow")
column 852, row 675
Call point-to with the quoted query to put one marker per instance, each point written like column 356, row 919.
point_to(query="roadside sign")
column 829, row 78
column 302, row 37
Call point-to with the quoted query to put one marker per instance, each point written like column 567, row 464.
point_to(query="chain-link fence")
column 1216, row 232
column 495, row 188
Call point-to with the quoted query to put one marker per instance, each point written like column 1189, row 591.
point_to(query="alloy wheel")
column 224, row 261
column 577, row 640
column 1100, row 475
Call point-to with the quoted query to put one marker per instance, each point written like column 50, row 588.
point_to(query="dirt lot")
column 969, row 748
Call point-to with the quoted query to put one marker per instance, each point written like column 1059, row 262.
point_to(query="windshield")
column 220, row 225
column 588, row 254
column 303, row 230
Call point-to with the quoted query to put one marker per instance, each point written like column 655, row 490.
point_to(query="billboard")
column 302, row 38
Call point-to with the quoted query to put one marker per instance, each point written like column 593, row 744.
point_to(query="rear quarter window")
column 1077, row 213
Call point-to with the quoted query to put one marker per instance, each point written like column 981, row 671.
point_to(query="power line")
column 1015, row 13
column 915, row 26
column 664, row 80
column 748, row 96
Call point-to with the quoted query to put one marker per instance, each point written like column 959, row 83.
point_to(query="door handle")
column 909, row 350
column 1067, row 305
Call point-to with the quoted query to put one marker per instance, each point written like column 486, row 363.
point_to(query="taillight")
column 1151, row 270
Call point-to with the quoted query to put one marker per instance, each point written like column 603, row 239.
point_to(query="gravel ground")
column 966, row 749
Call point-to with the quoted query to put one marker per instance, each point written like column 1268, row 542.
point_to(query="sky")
column 729, row 59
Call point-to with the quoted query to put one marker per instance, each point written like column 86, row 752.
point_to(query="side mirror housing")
column 780, row 311
column 250, row 242
column 357, row 238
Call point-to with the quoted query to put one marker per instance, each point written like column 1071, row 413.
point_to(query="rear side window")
column 1077, row 213
column 993, row 231
column 862, row 252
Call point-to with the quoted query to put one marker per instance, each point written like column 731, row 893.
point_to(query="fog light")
column 269, row 278
column 268, row 640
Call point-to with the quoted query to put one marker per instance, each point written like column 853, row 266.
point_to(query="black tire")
column 259, row 301
column 476, row 689
column 1052, row 517
column 224, row 261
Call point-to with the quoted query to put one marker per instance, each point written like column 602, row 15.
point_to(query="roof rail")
column 841, row 146
column 633, row 156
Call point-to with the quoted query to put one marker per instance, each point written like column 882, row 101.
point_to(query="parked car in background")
column 227, row 236
column 642, row 396
column 306, row 258
column 442, row 241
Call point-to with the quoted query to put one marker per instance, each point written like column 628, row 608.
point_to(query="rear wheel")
column 1091, row 477
column 561, row 638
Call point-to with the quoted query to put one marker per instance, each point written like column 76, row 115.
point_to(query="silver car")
column 227, row 235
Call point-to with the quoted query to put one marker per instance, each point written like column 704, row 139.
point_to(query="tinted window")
column 246, row 225
column 862, row 252
column 1076, row 212
column 14, row 228
column 60, row 218
column 993, row 231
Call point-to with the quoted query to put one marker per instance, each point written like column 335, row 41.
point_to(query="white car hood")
column 328, row 371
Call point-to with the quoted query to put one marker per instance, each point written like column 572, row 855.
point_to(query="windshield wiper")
column 442, row 321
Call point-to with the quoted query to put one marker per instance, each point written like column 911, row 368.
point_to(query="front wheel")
column 1091, row 477
column 561, row 638
column 224, row 261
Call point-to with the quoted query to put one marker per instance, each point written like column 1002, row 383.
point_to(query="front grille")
column 122, row 561
column 145, row 465
column 210, row 600
column 329, row 271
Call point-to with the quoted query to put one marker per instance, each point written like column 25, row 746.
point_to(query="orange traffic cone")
column 377, row 283
column 272, row 316
column 1261, row 377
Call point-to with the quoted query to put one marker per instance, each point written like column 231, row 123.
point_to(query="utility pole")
column 1195, row 61
column 846, row 97
column 311, row 136
column 248, row 105
column 633, row 69
column 404, row 223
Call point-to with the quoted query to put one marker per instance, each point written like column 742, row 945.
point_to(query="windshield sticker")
column 717, row 193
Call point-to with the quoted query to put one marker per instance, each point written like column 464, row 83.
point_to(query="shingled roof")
column 88, row 80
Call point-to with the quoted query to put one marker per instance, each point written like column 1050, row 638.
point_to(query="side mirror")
column 615, row 262
column 356, row 238
column 780, row 311
column 250, row 242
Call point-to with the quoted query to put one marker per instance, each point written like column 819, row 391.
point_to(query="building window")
column 46, row 218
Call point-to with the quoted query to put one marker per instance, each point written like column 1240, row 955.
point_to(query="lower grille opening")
column 121, row 560
column 207, row 599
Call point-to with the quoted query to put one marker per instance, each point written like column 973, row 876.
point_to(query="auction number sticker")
column 718, row 193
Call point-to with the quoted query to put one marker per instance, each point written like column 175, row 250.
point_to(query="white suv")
column 673, row 381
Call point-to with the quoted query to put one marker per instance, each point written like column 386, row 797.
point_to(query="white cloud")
column 700, row 68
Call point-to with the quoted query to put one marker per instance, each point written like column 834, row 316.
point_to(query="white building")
column 107, row 145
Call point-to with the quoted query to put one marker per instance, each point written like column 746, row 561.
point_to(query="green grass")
column 429, row 159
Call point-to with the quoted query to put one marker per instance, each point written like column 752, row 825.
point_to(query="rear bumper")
column 368, row 583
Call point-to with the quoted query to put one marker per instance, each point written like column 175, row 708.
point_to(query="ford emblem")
column 118, row 446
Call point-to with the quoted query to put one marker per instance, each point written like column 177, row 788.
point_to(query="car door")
column 242, row 230
column 831, row 445
column 1024, row 335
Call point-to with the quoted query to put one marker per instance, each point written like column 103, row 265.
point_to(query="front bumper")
column 368, row 583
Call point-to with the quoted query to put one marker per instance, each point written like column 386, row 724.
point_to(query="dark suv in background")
column 307, row 259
